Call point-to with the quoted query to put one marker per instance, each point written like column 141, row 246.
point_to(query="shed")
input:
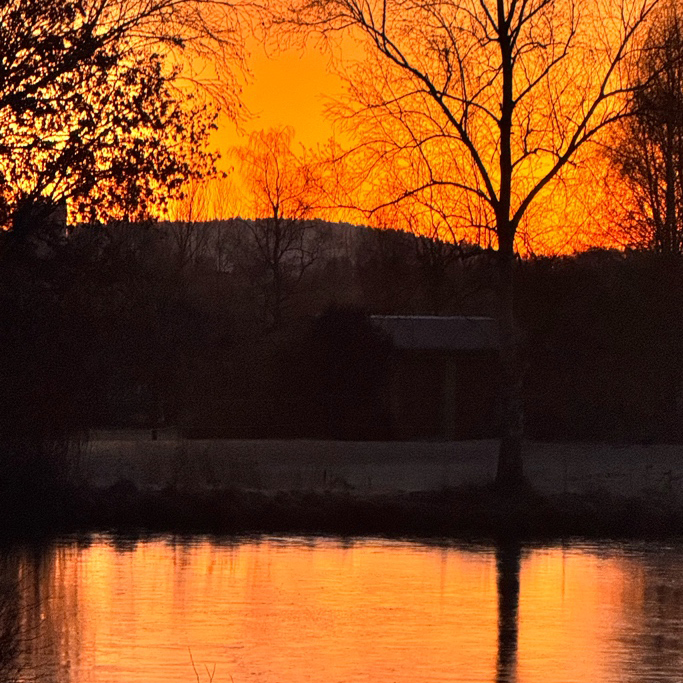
column 444, row 376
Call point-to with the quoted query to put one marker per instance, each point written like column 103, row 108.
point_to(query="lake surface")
column 294, row 610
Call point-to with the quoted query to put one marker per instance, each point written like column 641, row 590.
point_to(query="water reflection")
column 508, row 564
column 654, row 605
column 10, row 626
column 303, row 610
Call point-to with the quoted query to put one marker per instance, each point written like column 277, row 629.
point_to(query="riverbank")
column 168, row 485
column 467, row 512
column 371, row 468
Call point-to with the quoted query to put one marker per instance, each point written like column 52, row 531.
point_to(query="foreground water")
column 293, row 610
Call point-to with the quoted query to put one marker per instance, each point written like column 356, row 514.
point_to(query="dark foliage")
column 648, row 152
column 102, row 329
column 349, row 365
column 95, row 331
column 324, row 377
column 604, row 346
column 90, row 112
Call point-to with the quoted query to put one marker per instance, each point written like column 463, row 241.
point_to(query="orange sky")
column 292, row 88
column 289, row 89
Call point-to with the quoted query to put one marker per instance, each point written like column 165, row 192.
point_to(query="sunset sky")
column 286, row 89
column 289, row 88
column 294, row 87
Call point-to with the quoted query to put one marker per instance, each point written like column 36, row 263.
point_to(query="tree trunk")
column 510, row 473
column 668, row 241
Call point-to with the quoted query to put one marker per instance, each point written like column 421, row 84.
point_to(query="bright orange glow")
column 565, row 599
column 324, row 610
column 291, row 88
column 295, row 88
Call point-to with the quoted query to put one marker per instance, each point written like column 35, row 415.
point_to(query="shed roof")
column 440, row 333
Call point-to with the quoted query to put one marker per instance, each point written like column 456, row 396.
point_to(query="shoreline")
column 130, row 483
column 373, row 467
column 467, row 513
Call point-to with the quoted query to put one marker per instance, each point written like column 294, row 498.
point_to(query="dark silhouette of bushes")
column 323, row 377
column 605, row 346
column 349, row 367
column 45, row 347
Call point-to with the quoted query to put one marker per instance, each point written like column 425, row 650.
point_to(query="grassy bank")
column 128, row 482
column 466, row 512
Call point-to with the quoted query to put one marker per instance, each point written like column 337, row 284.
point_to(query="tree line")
column 468, row 118
column 111, row 328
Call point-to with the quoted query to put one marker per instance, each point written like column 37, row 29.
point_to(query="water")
column 296, row 610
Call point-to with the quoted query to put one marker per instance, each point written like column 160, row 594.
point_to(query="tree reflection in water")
column 508, row 562
column 10, row 625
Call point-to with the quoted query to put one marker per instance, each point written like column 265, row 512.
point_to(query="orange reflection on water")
column 322, row 610
column 570, row 609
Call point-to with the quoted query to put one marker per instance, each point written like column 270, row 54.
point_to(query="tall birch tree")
column 480, row 107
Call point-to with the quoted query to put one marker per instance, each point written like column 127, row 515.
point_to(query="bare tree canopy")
column 282, row 190
column 460, row 103
column 648, row 147
column 476, row 107
column 278, row 181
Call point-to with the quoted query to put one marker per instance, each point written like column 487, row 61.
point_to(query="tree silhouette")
column 478, row 107
column 281, row 243
column 649, row 149
column 93, row 113
column 91, row 108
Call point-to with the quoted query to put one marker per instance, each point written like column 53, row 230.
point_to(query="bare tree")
column 486, row 103
column 649, row 149
column 280, row 191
